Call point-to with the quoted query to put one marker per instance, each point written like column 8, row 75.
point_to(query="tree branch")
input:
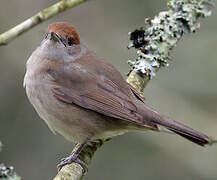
column 161, row 35
column 154, row 45
column 45, row 14
column 75, row 171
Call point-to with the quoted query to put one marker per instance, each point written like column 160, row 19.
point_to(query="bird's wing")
column 76, row 84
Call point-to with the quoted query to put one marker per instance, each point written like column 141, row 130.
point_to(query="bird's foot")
column 70, row 159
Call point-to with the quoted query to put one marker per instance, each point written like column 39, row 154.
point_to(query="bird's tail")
column 178, row 128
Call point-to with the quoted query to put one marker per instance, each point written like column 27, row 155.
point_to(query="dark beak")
column 53, row 36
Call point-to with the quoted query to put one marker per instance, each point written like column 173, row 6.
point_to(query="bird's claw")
column 72, row 158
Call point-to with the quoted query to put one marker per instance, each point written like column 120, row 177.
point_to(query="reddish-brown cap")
column 66, row 30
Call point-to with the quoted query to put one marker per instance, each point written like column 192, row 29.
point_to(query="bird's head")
column 62, row 33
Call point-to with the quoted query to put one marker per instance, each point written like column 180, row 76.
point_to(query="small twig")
column 45, row 14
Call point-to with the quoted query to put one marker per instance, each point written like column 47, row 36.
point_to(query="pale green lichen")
column 155, row 42
column 7, row 173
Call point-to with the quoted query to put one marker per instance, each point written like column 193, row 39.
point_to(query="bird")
column 84, row 98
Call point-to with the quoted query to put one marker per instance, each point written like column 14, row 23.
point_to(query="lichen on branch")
column 160, row 35
column 8, row 173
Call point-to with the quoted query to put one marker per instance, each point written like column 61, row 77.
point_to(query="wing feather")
column 95, row 90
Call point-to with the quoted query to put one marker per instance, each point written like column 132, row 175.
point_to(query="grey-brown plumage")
column 83, row 97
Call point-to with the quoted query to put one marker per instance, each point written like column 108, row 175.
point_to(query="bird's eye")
column 70, row 41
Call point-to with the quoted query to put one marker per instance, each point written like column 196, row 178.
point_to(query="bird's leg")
column 74, row 158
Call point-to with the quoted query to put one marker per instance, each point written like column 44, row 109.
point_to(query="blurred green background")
column 186, row 91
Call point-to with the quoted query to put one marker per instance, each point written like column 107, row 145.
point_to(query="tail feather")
column 185, row 131
column 178, row 128
column 193, row 138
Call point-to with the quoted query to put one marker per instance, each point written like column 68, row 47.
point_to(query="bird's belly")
column 73, row 122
